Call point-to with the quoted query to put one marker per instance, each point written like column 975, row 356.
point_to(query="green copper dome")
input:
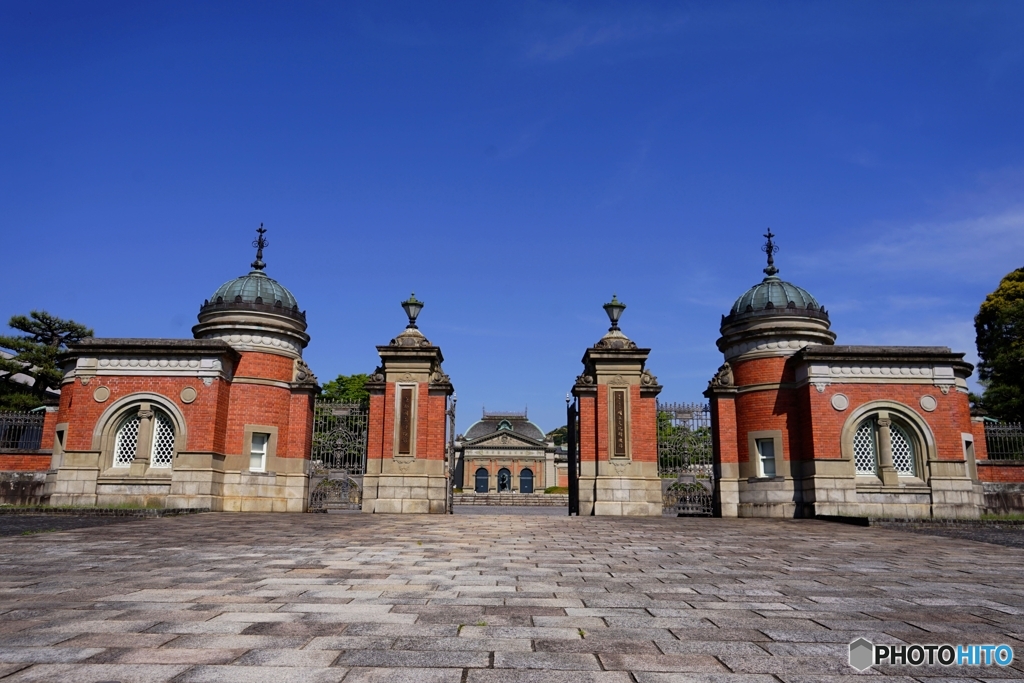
column 254, row 288
column 774, row 293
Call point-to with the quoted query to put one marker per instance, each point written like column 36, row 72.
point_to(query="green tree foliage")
column 558, row 434
column 665, row 426
column 346, row 389
column 1000, row 328
column 35, row 354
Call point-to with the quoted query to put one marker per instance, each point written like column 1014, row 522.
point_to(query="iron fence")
column 1005, row 440
column 338, row 456
column 686, row 458
column 339, row 437
column 22, row 431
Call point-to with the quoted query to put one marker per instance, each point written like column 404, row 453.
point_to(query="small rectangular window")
column 258, row 452
column 766, row 456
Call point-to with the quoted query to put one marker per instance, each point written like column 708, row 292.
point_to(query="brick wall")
column 588, row 436
column 812, row 428
column 380, row 424
column 265, row 366
column 50, row 423
column 25, row 462
column 950, row 418
column 643, row 426
column 215, row 421
column 980, row 444
column 256, row 404
column 1001, row 471
column 431, row 423
column 82, row 412
column 723, row 429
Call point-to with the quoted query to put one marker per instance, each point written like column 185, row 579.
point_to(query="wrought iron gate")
column 338, row 460
column 686, row 459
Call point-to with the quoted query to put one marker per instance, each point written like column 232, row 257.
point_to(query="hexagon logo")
column 862, row 654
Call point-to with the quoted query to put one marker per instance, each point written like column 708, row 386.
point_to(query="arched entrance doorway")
column 504, row 480
column 481, row 480
column 526, row 480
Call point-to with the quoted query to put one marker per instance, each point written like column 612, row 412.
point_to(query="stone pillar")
column 140, row 465
column 618, row 427
column 406, row 469
column 887, row 472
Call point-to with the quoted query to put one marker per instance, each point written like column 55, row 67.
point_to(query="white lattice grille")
column 902, row 451
column 163, row 441
column 126, row 441
column 865, row 454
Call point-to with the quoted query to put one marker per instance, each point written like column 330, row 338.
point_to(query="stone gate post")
column 618, row 427
column 406, row 468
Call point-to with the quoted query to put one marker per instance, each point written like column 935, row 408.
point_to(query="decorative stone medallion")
column 188, row 394
column 840, row 402
column 929, row 403
column 101, row 394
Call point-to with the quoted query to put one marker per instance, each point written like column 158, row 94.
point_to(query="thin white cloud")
column 980, row 248
column 572, row 33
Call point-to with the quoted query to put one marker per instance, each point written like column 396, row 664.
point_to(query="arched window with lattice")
column 127, row 441
column 865, row 449
column 903, row 456
column 881, row 440
column 163, row 441
column 144, row 432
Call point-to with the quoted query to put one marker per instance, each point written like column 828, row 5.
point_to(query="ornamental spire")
column 260, row 243
column 771, row 249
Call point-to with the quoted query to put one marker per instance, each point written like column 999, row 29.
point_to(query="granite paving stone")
column 500, row 598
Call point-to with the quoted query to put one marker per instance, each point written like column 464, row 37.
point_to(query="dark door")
column 481, row 480
column 504, row 480
column 526, row 481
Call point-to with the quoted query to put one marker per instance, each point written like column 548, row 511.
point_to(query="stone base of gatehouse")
column 949, row 494
column 404, row 487
column 197, row 480
column 621, row 496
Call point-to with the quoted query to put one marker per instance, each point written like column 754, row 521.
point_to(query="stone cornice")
column 263, row 342
column 941, row 369
column 888, row 355
column 172, row 363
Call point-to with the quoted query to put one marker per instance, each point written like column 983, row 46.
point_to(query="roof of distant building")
column 516, row 422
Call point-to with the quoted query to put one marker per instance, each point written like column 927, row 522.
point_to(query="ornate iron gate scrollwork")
column 338, row 459
column 686, row 459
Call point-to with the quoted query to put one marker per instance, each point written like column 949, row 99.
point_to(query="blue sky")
column 514, row 164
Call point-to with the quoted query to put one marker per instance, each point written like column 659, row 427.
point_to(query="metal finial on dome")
column 771, row 249
column 260, row 243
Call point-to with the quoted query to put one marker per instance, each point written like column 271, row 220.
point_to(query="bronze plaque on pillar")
column 405, row 422
column 619, row 422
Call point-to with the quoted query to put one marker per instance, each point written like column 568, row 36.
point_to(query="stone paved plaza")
column 490, row 598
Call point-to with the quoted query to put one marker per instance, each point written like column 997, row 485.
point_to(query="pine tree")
column 35, row 355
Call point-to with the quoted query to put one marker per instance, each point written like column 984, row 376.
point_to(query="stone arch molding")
column 106, row 425
column 906, row 416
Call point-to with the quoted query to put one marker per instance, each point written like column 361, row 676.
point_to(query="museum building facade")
column 503, row 452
